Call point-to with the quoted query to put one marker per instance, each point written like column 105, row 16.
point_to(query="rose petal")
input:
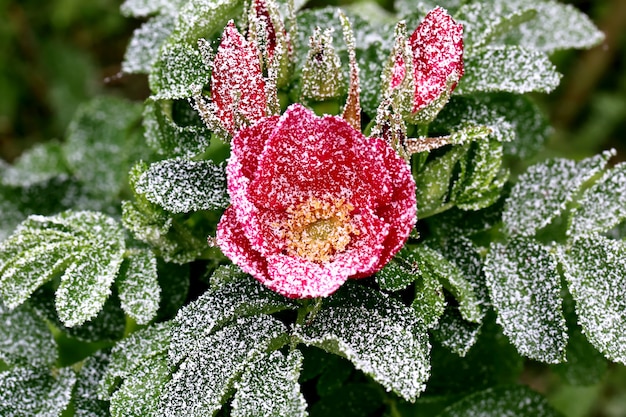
column 437, row 46
column 237, row 248
column 237, row 84
column 311, row 156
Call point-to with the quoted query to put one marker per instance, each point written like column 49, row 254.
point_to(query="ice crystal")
column 180, row 185
column 595, row 270
column 85, row 397
column 138, row 287
column 543, row 191
column 178, row 73
column 525, row 289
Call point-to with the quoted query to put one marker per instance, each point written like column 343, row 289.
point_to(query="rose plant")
column 314, row 213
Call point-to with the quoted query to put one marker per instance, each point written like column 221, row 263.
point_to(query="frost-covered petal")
column 311, row 156
column 237, row 84
column 236, row 245
column 437, row 46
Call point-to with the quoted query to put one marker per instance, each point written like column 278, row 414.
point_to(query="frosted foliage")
column 25, row 337
column 379, row 335
column 511, row 69
column 568, row 28
column 131, row 353
column 206, row 376
column 181, row 186
column 85, row 398
column 39, row 163
column 455, row 333
column 203, row 19
column 525, row 289
column 35, row 392
column 168, row 138
column 433, row 182
column 396, row 276
column 503, row 401
column 429, row 302
column 603, row 205
column 102, row 141
column 178, row 72
column 269, row 387
column 595, row 270
column 544, row 190
column 145, row 45
column 138, row 286
column 144, row 8
column 216, row 307
column 89, row 246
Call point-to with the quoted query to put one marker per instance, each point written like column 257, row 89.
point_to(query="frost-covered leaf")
column 169, row 138
column 602, row 206
column 269, row 387
column 85, row 398
column 595, row 269
column 103, row 141
column 174, row 283
column 145, row 44
column 556, row 26
column 28, row 392
column 216, row 307
column 204, row 19
column 544, row 190
column 180, row 185
column 137, row 372
column 138, row 286
column 399, row 273
column 511, row 69
column 454, row 332
column 178, row 72
column 25, row 338
column 86, row 248
column 509, row 401
column 378, row 334
column 433, row 263
column 525, row 289
column 40, row 163
column 433, row 181
column 144, row 8
column 211, row 365
column 482, row 23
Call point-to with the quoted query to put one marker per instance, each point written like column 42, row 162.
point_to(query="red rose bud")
column 237, row 84
column 313, row 203
column 437, row 49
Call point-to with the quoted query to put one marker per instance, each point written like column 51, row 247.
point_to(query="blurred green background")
column 57, row 54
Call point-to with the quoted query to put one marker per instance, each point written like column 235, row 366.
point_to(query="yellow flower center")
column 316, row 230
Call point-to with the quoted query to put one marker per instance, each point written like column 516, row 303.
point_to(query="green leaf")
column 433, row 263
column 525, row 289
column 179, row 72
column 482, row 23
column 399, row 273
column 144, row 48
column 568, row 27
column 269, row 387
column 180, row 186
column 87, row 246
column 211, row 366
column 138, row 286
column 602, row 206
column 543, row 191
column 144, row 8
column 38, row 164
column 596, row 275
column 454, row 332
column 378, row 334
column 85, row 399
column 169, row 138
column 139, row 362
column 204, row 19
column 103, row 141
column 514, row 401
column 174, row 283
column 35, row 392
column 511, row 69
column 429, row 301
column 25, row 338
column 216, row 307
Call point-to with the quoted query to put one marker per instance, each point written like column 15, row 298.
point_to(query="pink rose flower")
column 437, row 47
column 313, row 203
